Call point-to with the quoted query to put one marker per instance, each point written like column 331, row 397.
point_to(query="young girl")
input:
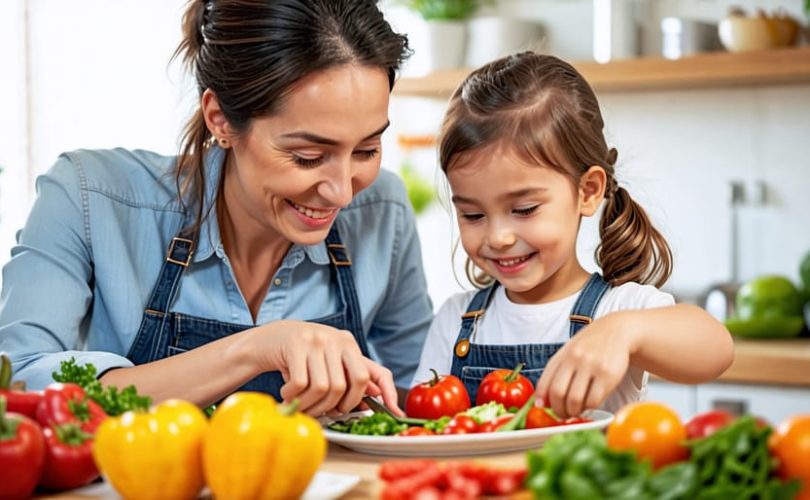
column 525, row 156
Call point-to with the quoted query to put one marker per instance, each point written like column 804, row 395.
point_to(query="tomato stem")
column 514, row 375
column 435, row 379
column 5, row 372
column 8, row 425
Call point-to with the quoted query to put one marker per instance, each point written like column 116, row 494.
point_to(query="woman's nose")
column 337, row 187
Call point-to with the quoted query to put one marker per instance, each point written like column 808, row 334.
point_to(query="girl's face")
column 291, row 173
column 519, row 223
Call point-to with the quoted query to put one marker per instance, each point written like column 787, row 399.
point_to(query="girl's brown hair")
column 546, row 111
column 251, row 52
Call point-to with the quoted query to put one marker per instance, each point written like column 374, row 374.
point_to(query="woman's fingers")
column 335, row 386
column 297, row 379
column 357, row 378
column 384, row 380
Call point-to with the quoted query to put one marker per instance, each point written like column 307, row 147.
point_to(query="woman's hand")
column 587, row 368
column 322, row 366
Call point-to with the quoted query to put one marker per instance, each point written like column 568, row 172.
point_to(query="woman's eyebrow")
column 318, row 139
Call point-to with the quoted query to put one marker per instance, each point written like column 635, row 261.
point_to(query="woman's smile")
column 313, row 217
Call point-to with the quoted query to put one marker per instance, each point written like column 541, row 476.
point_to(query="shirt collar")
column 210, row 240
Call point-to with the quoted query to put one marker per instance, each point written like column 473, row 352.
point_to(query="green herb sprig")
column 113, row 401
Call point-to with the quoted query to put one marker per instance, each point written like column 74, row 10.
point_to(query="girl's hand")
column 587, row 368
column 322, row 366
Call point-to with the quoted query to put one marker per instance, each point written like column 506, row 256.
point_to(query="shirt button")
column 277, row 281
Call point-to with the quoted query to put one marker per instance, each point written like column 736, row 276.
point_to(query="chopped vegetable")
column 113, row 401
column 377, row 424
column 486, row 412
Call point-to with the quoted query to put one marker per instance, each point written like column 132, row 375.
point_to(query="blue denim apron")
column 163, row 333
column 472, row 362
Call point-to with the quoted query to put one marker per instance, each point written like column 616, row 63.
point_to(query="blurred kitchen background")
column 713, row 135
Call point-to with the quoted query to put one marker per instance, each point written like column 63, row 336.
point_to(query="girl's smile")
column 512, row 265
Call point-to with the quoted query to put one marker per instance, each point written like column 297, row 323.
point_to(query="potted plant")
column 446, row 29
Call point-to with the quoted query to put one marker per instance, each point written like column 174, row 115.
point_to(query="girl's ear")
column 215, row 119
column 592, row 190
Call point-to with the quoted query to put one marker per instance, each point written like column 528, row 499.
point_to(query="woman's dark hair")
column 251, row 52
column 547, row 113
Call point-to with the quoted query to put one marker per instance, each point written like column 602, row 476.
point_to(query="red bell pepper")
column 22, row 454
column 21, row 402
column 68, row 458
column 68, row 404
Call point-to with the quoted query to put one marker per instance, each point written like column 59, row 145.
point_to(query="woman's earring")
column 223, row 143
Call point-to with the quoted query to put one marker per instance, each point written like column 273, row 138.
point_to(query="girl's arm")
column 681, row 343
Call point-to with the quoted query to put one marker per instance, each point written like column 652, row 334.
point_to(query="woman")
column 271, row 254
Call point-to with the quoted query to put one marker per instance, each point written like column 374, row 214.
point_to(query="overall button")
column 278, row 281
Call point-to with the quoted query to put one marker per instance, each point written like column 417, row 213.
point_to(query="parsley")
column 113, row 401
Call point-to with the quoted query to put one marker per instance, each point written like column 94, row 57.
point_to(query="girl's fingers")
column 577, row 392
column 596, row 395
column 544, row 383
column 558, row 390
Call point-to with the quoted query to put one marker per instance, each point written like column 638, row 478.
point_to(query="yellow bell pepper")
column 154, row 454
column 255, row 448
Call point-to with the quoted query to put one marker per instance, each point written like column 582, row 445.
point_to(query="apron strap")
column 585, row 307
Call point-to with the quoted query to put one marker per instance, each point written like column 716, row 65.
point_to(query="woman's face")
column 291, row 173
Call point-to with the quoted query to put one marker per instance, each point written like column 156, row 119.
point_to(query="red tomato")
column 68, row 459
column 704, row 424
column 22, row 453
column 461, row 424
column 397, row 469
column 653, row 430
column 540, row 417
column 493, row 424
column 790, row 444
column 436, row 398
column 416, row 431
column 507, row 387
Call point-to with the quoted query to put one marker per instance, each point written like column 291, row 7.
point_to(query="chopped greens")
column 377, row 424
column 113, row 401
column 486, row 412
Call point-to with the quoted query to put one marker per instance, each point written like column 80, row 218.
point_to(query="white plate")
column 461, row 444
column 324, row 486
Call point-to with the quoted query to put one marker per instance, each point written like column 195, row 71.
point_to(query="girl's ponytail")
column 631, row 248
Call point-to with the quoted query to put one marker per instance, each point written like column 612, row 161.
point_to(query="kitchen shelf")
column 778, row 361
column 718, row 69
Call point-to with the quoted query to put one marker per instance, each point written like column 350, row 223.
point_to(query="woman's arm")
column 322, row 367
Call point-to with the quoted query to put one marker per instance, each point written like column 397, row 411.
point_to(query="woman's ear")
column 592, row 190
column 215, row 119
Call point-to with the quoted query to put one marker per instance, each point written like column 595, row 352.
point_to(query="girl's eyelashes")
column 471, row 216
column 526, row 211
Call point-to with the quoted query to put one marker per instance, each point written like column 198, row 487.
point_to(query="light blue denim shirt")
column 88, row 257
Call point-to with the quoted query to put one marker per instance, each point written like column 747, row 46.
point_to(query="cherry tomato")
column 653, row 430
column 704, row 424
column 507, row 387
column 416, row 431
column 397, row 469
column 540, row 417
column 493, row 424
column 461, row 424
column 438, row 397
column 790, row 444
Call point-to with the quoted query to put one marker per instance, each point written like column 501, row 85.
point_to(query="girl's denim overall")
column 163, row 333
column 472, row 362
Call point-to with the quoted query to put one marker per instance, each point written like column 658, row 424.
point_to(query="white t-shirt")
column 508, row 323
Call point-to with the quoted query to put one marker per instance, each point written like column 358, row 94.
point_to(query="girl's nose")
column 337, row 187
column 501, row 237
